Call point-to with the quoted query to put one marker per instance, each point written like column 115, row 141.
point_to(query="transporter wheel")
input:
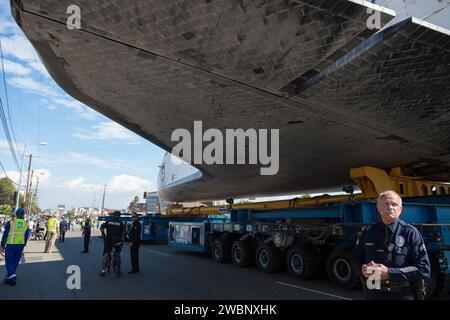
column 242, row 253
column 268, row 258
column 340, row 271
column 221, row 250
column 302, row 262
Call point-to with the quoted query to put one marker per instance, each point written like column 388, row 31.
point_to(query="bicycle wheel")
column 110, row 263
column 117, row 265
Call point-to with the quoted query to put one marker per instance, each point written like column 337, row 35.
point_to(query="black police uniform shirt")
column 399, row 246
column 114, row 230
column 135, row 232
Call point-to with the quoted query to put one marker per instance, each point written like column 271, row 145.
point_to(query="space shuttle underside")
column 348, row 83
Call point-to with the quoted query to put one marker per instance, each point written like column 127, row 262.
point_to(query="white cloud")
column 107, row 131
column 82, row 158
column 78, row 185
column 18, row 46
column 15, row 68
column 80, row 109
column 31, row 85
column 4, row 25
column 121, row 184
column 4, row 146
column 51, row 107
column 39, row 67
column 43, row 174
column 128, row 184
column 74, row 158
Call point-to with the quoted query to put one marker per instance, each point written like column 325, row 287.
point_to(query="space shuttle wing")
column 155, row 66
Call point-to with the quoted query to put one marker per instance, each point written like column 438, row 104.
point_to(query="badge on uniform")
column 390, row 247
column 399, row 241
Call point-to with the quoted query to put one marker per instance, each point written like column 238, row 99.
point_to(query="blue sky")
column 84, row 150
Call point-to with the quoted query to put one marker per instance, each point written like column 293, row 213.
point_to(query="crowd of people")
column 17, row 232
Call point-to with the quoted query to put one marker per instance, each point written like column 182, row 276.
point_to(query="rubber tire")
column 246, row 251
column 306, row 264
column 221, row 251
column 273, row 255
column 340, row 262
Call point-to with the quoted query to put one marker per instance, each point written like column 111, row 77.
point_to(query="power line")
column 6, row 175
column 6, row 95
column 8, row 136
column 17, row 74
column 4, row 119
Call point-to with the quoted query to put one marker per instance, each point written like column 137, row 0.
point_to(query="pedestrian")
column 391, row 256
column 31, row 224
column 62, row 230
column 52, row 231
column 134, row 239
column 13, row 242
column 86, row 232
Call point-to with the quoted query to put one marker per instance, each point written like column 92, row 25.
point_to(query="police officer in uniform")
column 14, row 239
column 390, row 255
column 86, row 235
column 134, row 239
column 113, row 232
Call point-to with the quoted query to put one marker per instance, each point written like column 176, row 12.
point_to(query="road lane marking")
column 324, row 293
column 157, row 252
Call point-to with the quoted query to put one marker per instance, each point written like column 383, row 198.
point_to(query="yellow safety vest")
column 17, row 229
column 51, row 225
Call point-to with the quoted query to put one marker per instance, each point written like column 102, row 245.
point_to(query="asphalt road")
column 166, row 273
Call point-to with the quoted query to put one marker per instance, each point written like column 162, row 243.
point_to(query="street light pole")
column 103, row 201
column 20, row 180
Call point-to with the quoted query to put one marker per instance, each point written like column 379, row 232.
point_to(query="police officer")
column 113, row 232
column 134, row 239
column 86, row 232
column 390, row 255
column 15, row 239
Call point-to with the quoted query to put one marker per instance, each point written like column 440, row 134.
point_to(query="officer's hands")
column 370, row 268
column 384, row 272
column 365, row 270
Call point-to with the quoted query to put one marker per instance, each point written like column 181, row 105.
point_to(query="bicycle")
column 114, row 263
column 37, row 234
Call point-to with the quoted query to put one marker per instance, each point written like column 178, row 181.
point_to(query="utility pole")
column 103, row 201
column 95, row 197
column 28, row 182
column 36, row 189
column 30, row 198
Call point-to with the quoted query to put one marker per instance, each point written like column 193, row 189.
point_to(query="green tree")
column 34, row 208
column 7, row 190
column 71, row 213
column 135, row 200
column 6, row 209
